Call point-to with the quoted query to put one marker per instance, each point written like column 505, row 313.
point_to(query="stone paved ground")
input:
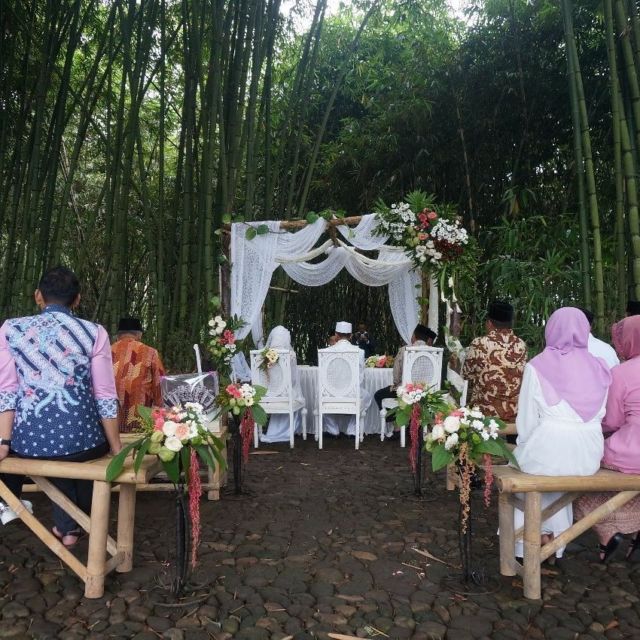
column 323, row 543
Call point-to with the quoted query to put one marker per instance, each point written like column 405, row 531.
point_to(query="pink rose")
column 432, row 215
column 182, row 431
column 233, row 391
column 228, row 337
column 422, row 237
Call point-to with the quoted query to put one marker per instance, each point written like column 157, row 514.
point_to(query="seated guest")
column 138, row 369
column 421, row 337
column 562, row 401
column 278, row 430
column 335, row 424
column 622, row 446
column 633, row 308
column 362, row 338
column 494, row 365
column 58, row 397
column 600, row 348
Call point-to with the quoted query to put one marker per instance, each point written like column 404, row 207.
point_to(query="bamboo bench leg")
column 532, row 532
column 94, row 586
column 126, row 519
column 507, row 535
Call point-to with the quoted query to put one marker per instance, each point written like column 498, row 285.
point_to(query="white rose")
column 451, row 441
column 173, row 444
column 438, row 432
column 451, row 424
column 169, row 429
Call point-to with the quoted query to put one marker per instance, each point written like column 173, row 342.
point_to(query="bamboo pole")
column 532, row 529
column 94, row 584
column 507, row 535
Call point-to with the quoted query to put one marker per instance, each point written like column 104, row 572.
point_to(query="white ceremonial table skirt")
column 374, row 379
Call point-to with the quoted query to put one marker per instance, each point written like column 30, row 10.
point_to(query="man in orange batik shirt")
column 138, row 369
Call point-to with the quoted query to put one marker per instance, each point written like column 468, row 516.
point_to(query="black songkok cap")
column 129, row 324
column 633, row 308
column 500, row 311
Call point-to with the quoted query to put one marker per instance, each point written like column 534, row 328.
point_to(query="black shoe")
column 394, row 436
column 634, row 545
column 609, row 549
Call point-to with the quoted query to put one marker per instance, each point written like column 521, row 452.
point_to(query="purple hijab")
column 566, row 369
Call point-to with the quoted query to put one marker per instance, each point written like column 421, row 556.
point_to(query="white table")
column 374, row 379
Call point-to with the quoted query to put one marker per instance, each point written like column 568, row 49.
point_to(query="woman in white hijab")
column 278, row 430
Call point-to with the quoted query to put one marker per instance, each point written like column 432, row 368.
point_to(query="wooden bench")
column 510, row 481
column 97, row 524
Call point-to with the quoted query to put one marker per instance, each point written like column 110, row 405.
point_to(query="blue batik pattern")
column 56, row 412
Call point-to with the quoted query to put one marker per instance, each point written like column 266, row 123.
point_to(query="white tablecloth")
column 374, row 379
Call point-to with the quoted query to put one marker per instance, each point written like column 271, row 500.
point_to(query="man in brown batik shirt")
column 494, row 365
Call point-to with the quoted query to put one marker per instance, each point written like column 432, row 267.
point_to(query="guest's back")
column 55, row 373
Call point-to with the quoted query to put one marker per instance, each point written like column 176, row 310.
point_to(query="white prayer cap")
column 343, row 327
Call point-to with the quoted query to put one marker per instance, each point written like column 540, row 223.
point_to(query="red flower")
column 228, row 337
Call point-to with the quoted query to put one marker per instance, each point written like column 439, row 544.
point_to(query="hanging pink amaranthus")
column 195, row 493
column 414, row 430
column 246, row 431
column 488, row 478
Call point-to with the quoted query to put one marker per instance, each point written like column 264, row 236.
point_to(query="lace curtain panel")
column 255, row 260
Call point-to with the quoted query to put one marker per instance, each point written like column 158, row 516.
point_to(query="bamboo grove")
column 131, row 131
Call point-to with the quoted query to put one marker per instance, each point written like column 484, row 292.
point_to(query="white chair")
column 460, row 385
column 279, row 397
column 419, row 364
column 339, row 388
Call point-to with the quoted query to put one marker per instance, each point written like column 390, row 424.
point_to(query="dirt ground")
column 321, row 542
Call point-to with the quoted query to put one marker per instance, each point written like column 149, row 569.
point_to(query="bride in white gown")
column 278, row 430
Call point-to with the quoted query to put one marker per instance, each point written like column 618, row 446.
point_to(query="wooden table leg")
column 532, row 532
column 126, row 522
column 507, row 535
column 94, row 586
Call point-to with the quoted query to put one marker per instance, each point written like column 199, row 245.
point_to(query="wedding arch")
column 255, row 256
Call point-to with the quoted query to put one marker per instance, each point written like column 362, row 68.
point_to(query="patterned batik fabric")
column 138, row 369
column 55, row 373
column 494, row 366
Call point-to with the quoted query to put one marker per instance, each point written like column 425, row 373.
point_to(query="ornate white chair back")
column 339, row 379
column 460, row 384
column 276, row 380
column 423, row 364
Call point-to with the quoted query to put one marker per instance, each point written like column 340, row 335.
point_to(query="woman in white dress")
column 278, row 430
column 561, row 404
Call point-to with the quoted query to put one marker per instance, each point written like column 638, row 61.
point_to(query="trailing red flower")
column 195, row 493
column 414, row 430
column 246, row 432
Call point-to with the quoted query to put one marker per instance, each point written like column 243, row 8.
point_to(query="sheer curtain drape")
column 254, row 261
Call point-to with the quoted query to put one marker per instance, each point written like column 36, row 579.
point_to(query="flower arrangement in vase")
column 379, row 362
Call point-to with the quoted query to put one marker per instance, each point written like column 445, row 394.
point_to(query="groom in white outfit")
column 334, row 424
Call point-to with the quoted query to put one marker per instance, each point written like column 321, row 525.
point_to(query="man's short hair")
column 343, row 336
column 633, row 308
column 588, row 314
column 59, row 285
column 424, row 333
column 500, row 314
column 129, row 325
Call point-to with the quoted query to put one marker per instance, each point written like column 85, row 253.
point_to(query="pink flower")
column 233, row 391
column 228, row 337
column 432, row 215
column 422, row 237
column 158, row 424
column 458, row 413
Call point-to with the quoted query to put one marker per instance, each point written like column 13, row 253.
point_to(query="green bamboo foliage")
column 576, row 78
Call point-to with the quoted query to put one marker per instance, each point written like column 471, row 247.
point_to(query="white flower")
column 437, row 432
column 478, row 425
column 451, row 441
column 485, row 436
column 173, row 444
column 451, row 424
column 169, row 428
column 249, row 402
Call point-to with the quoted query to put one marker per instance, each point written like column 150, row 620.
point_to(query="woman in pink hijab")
column 560, row 408
column 622, row 446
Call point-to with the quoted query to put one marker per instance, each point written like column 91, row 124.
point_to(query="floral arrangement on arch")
column 243, row 401
column 222, row 342
column 180, row 439
column 469, row 439
column 379, row 362
column 269, row 357
column 418, row 405
column 431, row 238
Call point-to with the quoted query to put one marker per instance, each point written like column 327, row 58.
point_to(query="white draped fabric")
column 254, row 261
